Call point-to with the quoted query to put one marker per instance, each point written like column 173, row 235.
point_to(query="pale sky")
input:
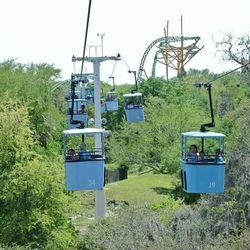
column 51, row 31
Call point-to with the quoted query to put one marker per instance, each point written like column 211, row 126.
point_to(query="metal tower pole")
column 100, row 201
column 181, row 72
column 167, row 59
column 101, row 35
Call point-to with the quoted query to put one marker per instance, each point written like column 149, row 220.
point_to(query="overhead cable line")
column 86, row 36
column 227, row 73
column 126, row 64
column 73, row 82
column 208, row 86
column 112, row 74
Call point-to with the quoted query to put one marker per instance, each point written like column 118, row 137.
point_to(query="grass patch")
column 141, row 189
column 137, row 191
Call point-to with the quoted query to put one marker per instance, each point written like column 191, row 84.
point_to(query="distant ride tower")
column 173, row 51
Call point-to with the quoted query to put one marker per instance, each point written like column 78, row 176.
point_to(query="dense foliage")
column 171, row 108
column 218, row 221
column 33, row 204
column 35, row 209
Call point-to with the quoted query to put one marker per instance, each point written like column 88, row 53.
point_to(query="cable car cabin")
column 103, row 106
column 89, row 94
column 84, row 165
column 111, row 101
column 133, row 107
column 202, row 162
column 79, row 114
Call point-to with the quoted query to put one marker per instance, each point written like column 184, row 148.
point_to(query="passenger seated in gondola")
column 82, row 109
column 192, row 154
column 130, row 105
column 72, row 155
column 219, row 155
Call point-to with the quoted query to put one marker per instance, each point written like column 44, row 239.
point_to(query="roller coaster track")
column 161, row 40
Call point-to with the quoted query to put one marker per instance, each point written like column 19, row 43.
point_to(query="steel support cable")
column 126, row 64
column 208, row 86
column 86, row 36
column 112, row 76
column 227, row 73
column 113, row 70
column 73, row 83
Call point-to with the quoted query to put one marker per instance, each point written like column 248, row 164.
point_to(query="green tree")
column 33, row 204
column 154, row 144
column 33, row 85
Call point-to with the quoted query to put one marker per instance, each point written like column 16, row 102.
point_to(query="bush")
column 134, row 228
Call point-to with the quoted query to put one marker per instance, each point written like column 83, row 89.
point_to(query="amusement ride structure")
column 172, row 51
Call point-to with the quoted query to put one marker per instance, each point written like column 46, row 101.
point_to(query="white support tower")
column 100, row 201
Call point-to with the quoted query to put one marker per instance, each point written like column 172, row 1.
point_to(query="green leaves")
column 32, row 84
column 15, row 135
column 155, row 143
column 33, row 203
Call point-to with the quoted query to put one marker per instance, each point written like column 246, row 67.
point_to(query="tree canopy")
column 35, row 209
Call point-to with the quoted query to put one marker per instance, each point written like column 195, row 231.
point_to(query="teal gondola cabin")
column 133, row 107
column 111, row 101
column 80, row 113
column 84, row 164
column 202, row 162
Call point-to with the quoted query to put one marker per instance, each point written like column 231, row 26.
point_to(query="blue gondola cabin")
column 80, row 113
column 84, row 164
column 111, row 101
column 133, row 107
column 202, row 162
column 89, row 94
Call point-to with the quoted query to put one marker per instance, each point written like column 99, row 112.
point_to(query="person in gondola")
column 71, row 154
column 82, row 109
column 219, row 155
column 192, row 154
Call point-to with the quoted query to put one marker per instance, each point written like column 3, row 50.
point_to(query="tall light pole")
column 101, row 35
